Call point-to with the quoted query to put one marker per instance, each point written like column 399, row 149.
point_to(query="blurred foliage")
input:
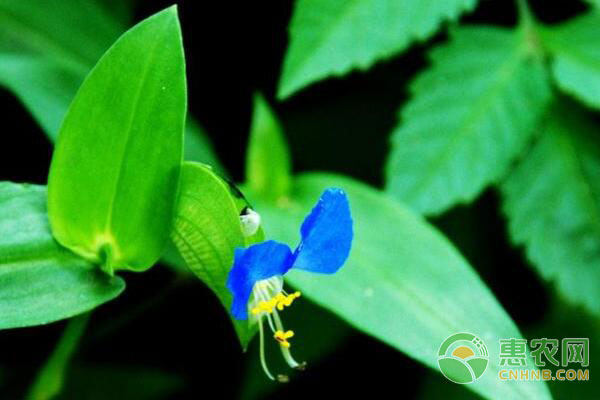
column 50, row 379
column 101, row 382
column 48, row 47
column 560, row 228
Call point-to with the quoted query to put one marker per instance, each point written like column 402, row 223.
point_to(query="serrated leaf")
column 40, row 282
column 471, row 114
column 575, row 47
column 207, row 230
column 268, row 166
column 332, row 37
column 115, row 170
column 404, row 283
column 552, row 200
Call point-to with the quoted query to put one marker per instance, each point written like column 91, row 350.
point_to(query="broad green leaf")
column 404, row 283
column 45, row 70
column 115, row 170
column 332, row 37
column 268, row 166
column 50, row 379
column 552, row 200
column 207, row 230
column 101, row 382
column 471, row 114
column 575, row 47
column 40, row 282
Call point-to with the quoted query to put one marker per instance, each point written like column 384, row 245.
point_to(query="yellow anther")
column 297, row 294
column 282, row 337
column 256, row 310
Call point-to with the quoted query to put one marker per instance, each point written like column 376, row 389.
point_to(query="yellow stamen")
column 278, row 301
column 282, row 337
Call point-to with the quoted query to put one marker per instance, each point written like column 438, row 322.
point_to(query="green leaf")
column 330, row 38
column 207, row 230
column 576, row 51
column 268, row 166
column 40, row 282
column 471, row 114
column 50, row 379
column 404, row 283
column 552, row 200
column 115, row 170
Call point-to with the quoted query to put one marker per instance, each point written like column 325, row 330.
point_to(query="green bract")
column 40, row 282
column 115, row 171
column 207, row 230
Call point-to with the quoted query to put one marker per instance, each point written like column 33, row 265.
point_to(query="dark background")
column 342, row 125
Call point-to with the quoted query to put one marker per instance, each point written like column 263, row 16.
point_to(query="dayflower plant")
column 256, row 278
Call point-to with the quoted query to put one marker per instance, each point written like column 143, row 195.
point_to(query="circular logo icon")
column 463, row 358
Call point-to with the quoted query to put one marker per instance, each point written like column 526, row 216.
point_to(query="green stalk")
column 50, row 379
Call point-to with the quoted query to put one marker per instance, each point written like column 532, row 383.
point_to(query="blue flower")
column 256, row 278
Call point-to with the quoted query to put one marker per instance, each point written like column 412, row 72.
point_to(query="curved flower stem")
column 263, row 362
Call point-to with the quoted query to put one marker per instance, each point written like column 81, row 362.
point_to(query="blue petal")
column 326, row 234
column 257, row 262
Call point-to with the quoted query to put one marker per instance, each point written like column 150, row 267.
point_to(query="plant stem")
column 50, row 379
column 526, row 18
